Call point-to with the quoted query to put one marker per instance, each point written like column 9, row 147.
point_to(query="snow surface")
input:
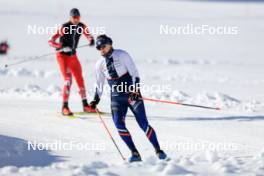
column 221, row 71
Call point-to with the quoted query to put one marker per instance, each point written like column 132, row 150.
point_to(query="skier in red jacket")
column 69, row 34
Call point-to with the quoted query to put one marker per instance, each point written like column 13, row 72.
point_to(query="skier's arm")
column 100, row 79
column 87, row 34
column 133, row 72
column 131, row 67
column 52, row 42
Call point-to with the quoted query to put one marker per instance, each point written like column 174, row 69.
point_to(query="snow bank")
column 183, row 61
column 209, row 163
column 33, row 91
column 24, row 72
column 216, row 99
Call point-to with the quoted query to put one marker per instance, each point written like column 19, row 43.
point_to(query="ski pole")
column 108, row 131
column 178, row 103
column 37, row 57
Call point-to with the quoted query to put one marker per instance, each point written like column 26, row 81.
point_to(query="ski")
column 101, row 113
column 80, row 114
column 91, row 113
column 68, row 117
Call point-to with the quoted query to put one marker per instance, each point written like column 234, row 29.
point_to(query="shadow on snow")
column 15, row 152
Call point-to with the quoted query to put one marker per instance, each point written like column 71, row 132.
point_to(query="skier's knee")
column 119, row 123
column 68, row 82
column 144, row 126
column 120, row 126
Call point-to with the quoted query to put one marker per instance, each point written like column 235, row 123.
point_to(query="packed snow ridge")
column 209, row 162
column 215, row 99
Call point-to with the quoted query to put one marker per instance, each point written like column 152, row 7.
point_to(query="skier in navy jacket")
column 117, row 67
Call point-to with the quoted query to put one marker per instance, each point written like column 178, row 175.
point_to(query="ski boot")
column 66, row 111
column 161, row 154
column 87, row 108
column 135, row 157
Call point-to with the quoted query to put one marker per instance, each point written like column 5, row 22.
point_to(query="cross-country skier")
column 69, row 34
column 121, row 73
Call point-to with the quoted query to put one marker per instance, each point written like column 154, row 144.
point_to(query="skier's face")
column 105, row 49
column 75, row 19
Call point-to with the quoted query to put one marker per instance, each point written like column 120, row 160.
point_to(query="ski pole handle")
column 178, row 103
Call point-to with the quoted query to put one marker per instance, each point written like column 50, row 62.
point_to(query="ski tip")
column 69, row 116
column 218, row 108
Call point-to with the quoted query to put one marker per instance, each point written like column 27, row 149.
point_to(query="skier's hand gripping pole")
column 111, row 137
column 178, row 103
column 38, row 57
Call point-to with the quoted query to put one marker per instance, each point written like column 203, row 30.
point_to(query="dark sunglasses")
column 76, row 17
column 100, row 47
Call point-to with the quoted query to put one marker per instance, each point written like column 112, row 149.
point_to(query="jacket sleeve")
column 100, row 80
column 87, row 33
column 52, row 42
column 131, row 67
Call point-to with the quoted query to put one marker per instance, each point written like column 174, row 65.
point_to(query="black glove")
column 95, row 102
column 92, row 42
column 134, row 96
